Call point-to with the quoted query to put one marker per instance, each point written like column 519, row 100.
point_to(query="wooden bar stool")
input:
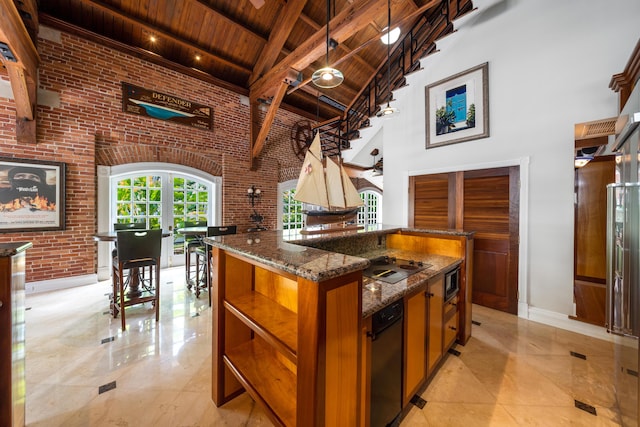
column 138, row 250
column 114, row 260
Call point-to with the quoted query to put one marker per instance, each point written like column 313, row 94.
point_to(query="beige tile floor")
column 511, row 373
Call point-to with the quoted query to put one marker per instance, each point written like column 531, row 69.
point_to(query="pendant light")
column 388, row 111
column 327, row 77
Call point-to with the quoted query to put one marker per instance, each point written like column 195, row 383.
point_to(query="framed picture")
column 457, row 108
column 32, row 195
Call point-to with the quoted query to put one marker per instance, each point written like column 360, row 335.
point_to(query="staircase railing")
column 418, row 42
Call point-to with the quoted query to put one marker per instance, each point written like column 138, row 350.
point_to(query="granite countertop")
column 10, row 249
column 270, row 248
column 292, row 252
column 374, row 300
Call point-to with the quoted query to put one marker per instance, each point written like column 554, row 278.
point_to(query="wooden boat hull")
column 331, row 217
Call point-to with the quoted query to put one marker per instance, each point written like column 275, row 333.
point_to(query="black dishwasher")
column 386, row 364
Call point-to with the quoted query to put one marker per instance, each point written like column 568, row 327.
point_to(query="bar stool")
column 118, row 226
column 203, row 259
column 138, row 250
column 190, row 245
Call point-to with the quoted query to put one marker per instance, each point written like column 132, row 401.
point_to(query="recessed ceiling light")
column 152, row 38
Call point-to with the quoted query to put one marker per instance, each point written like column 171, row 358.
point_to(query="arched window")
column 162, row 195
column 371, row 212
column 290, row 214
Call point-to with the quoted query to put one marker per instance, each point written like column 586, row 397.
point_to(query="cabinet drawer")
column 450, row 306
column 450, row 331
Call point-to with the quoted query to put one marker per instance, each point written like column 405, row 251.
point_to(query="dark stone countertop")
column 13, row 248
column 294, row 253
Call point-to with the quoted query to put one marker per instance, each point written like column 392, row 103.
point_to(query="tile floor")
column 511, row 373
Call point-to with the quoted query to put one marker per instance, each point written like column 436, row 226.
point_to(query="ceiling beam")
column 342, row 26
column 258, row 143
column 402, row 21
column 22, row 65
column 230, row 20
column 160, row 32
column 343, row 47
column 285, row 22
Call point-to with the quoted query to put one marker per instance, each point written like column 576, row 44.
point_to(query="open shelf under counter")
column 276, row 324
column 266, row 379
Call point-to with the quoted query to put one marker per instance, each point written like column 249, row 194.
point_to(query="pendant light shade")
column 388, row 111
column 327, row 77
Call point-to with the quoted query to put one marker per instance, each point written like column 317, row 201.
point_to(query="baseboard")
column 62, row 283
column 563, row 321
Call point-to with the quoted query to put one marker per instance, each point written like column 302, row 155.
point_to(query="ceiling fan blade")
column 257, row 3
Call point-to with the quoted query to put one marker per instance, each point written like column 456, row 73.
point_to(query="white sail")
column 351, row 196
column 311, row 187
column 334, row 184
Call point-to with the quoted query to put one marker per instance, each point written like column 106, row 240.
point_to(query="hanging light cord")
column 389, row 51
column 328, row 14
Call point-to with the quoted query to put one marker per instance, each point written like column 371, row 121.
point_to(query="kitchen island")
column 292, row 316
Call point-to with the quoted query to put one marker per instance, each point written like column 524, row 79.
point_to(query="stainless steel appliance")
column 451, row 283
column 623, row 260
column 386, row 364
column 391, row 269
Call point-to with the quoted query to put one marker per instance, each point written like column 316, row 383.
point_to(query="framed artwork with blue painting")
column 169, row 108
column 457, row 108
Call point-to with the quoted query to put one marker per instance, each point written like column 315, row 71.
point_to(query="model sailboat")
column 326, row 184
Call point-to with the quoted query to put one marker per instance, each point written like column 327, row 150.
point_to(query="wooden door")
column 486, row 202
column 590, row 236
column 490, row 208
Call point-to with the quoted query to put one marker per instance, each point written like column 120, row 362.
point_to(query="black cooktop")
column 391, row 269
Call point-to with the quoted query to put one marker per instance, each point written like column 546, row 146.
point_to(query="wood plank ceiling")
column 267, row 49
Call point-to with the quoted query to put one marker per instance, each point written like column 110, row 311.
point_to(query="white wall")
column 550, row 63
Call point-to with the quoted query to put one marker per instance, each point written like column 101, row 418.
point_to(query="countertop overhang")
column 294, row 253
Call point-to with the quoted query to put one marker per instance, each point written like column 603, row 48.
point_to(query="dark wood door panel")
column 486, row 204
column 491, row 285
column 431, row 195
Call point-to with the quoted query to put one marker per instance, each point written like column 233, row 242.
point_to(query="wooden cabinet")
column 450, row 317
column 293, row 344
column 435, row 293
column 12, row 334
column 415, row 346
column 430, row 329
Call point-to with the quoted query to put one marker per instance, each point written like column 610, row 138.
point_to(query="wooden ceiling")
column 247, row 49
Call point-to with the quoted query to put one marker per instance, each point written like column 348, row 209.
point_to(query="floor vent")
column 476, row 323
column 585, row 407
column 454, row 352
column 106, row 340
column 632, row 372
column 27, row 308
column 578, row 355
column 418, row 401
column 196, row 315
column 106, row 387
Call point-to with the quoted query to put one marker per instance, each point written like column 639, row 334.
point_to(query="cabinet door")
column 436, row 300
column 415, row 332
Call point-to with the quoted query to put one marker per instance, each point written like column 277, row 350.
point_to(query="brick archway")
column 135, row 153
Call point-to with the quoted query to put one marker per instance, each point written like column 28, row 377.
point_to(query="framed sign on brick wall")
column 32, row 195
column 146, row 102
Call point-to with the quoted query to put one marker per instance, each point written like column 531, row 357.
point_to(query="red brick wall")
column 88, row 128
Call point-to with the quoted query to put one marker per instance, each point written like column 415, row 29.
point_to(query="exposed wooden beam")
column 342, row 47
column 257, row 144
column 281, row 29
column 22, row 66
column 160, row 32
column 230, row 20
column 344, row 25
column 375, row 39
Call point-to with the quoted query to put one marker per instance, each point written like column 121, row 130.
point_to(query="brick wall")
column 88, row 128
